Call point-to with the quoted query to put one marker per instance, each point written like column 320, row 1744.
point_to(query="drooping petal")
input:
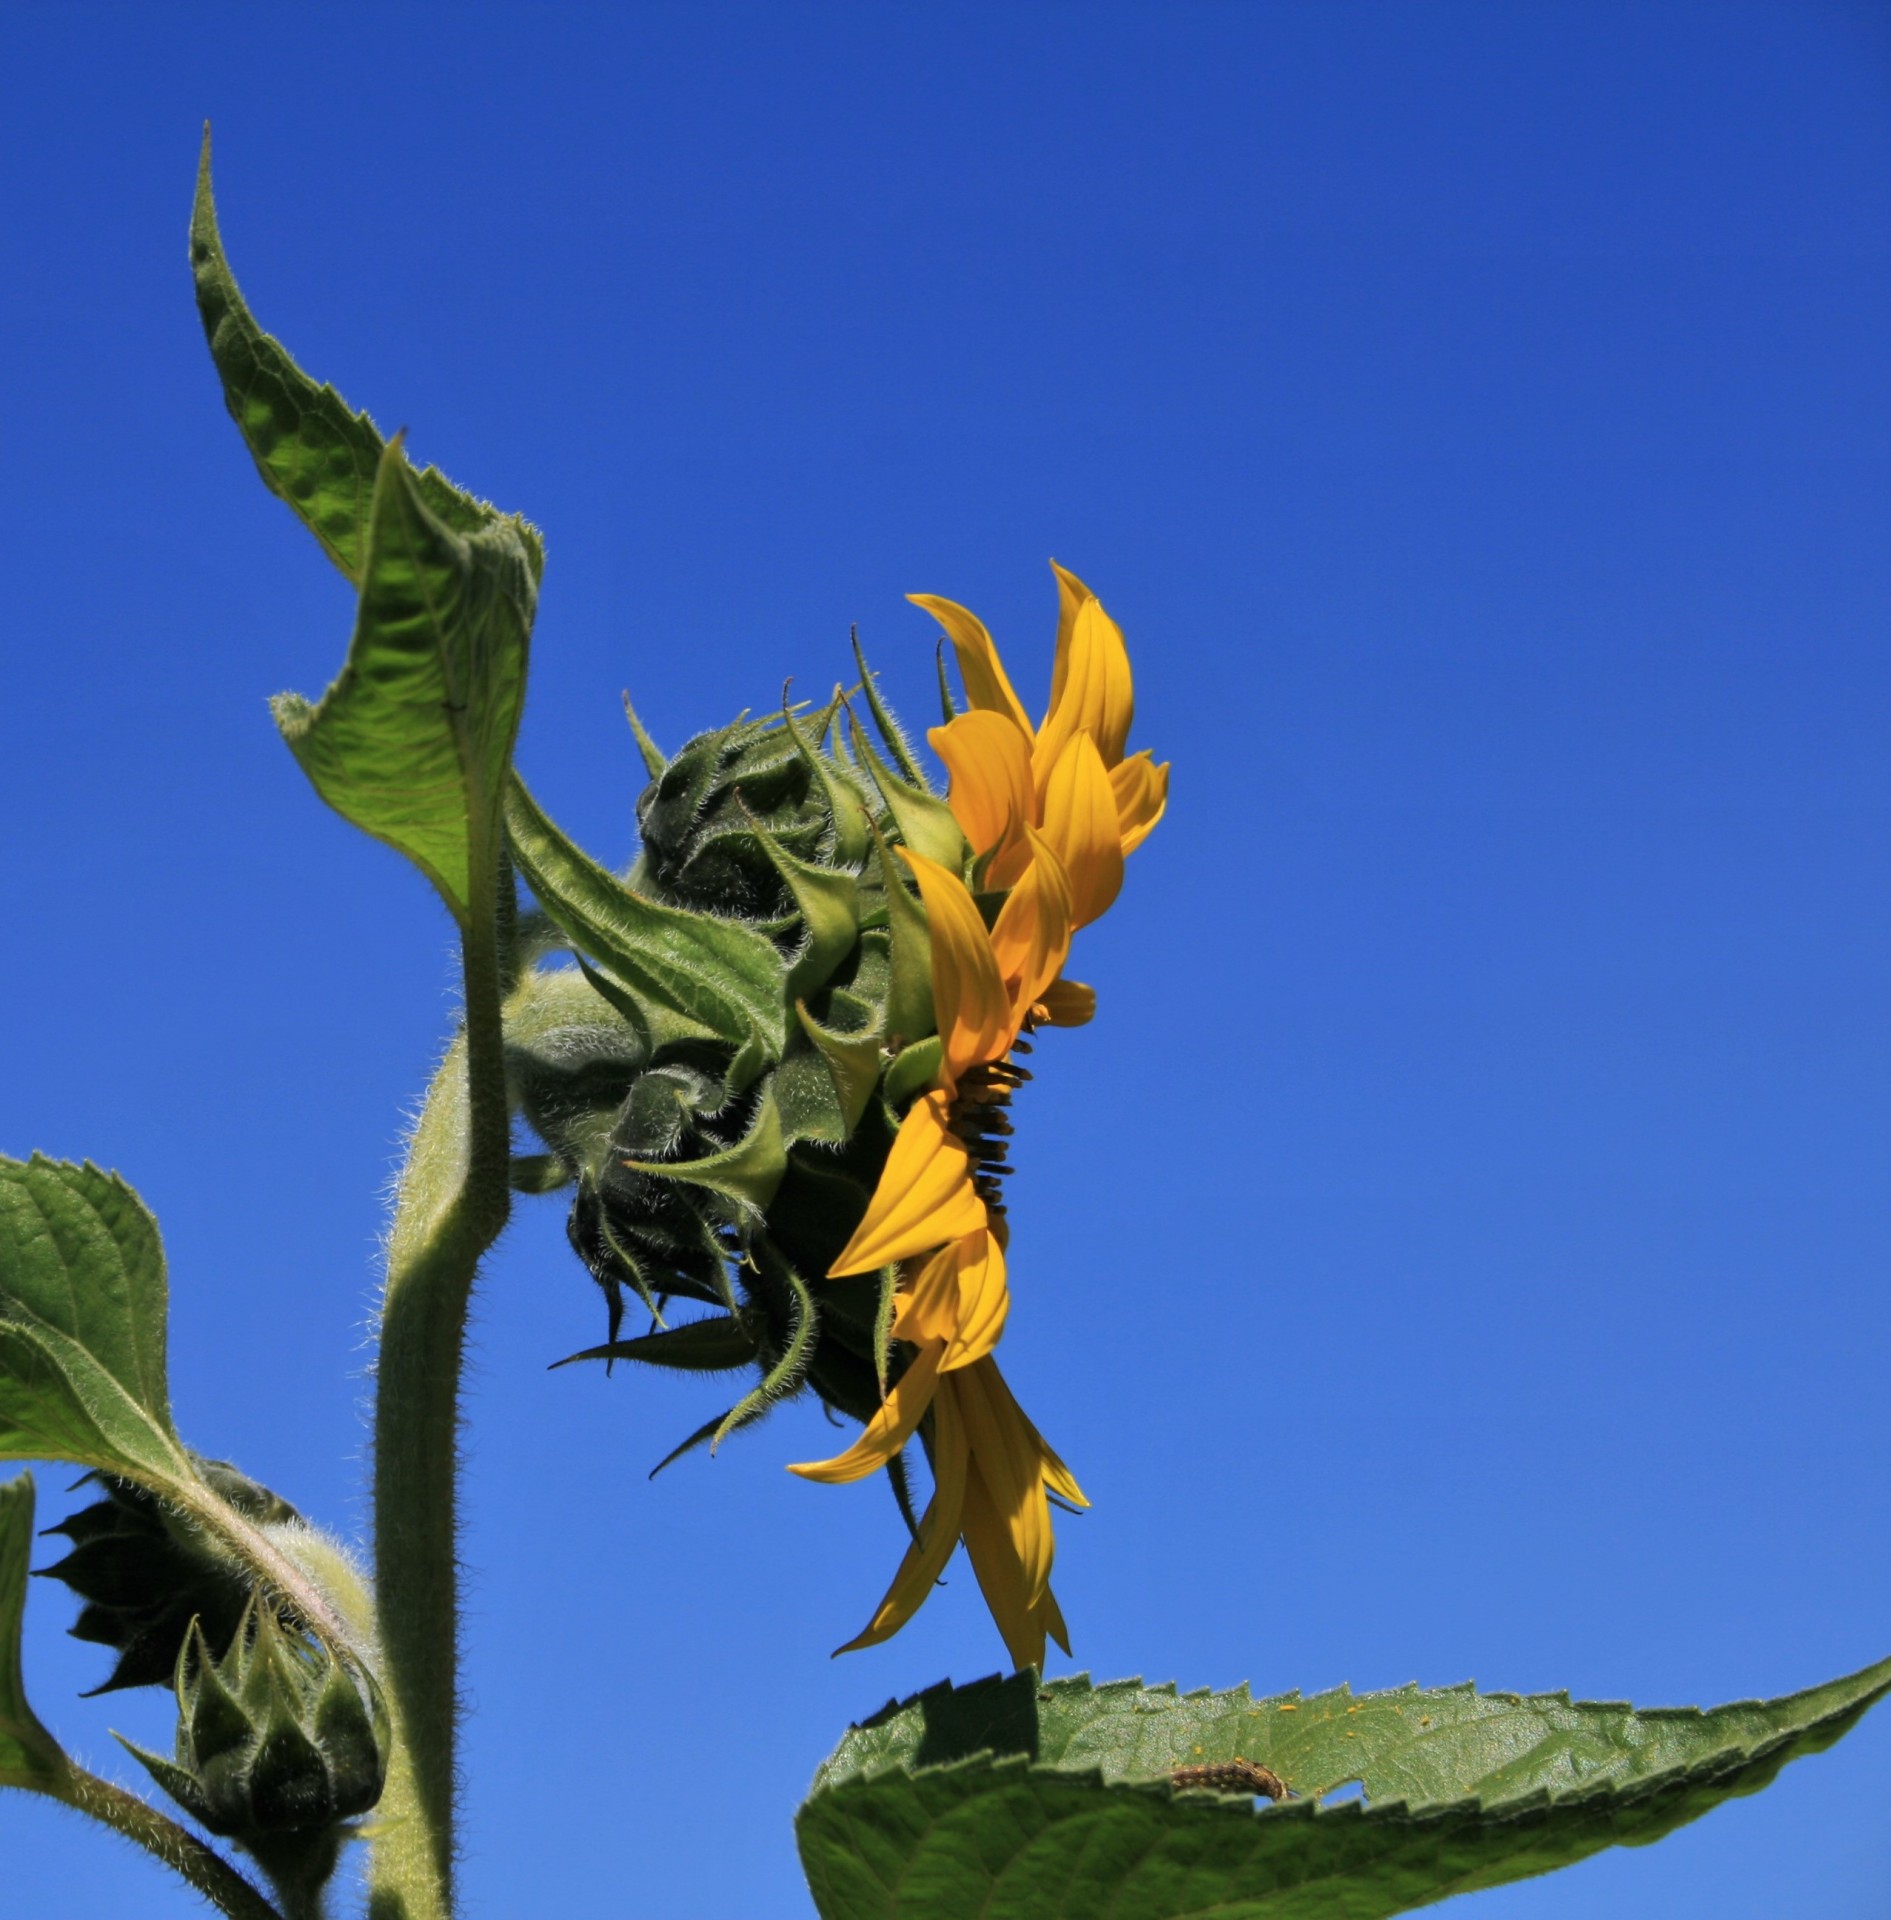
column 1058, row 1476
column 986, row 684
column 1071, row 594
column 969, row 1003
column 1067, row 1003
column 1030, row 940
column 1051, row 1618
column 983, row 1303
column 889, row 1429
column 1098, row 696
column 1005, row 1449
column 938, row 1529
column 1001, row 1577
column 925, row 1196
column 1080, row 821
column 991, row 795
column 1142, row 797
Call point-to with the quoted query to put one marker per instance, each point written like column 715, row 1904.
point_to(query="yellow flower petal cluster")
column 1049, row 812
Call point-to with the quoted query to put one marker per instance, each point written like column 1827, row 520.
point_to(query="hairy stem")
column 181, row 1851
column 450, row 1206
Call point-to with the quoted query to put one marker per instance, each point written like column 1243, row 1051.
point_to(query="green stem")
column 450, row 1207
column 180, row 1850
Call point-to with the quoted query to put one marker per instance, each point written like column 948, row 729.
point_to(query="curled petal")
column 1142, row 797
column 888, row 1430
column 1080, row 821
column 986, row 685
column 1066, row 1003
column 938, row 1529
column 969, row 1002
column 991, row 795
column 1071, row 594
column 1030, row 940
column 925, row 1196
column 983, row 1300
column 1098, row 696
column 927, row 1306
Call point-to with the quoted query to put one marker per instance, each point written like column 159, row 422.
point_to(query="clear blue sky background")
column 1460, row 1247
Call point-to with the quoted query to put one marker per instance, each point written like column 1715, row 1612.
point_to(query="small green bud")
column 279, row 1741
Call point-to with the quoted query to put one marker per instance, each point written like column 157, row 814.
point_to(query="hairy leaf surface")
column 82, row 1323
column 1012, row 1798
column 29, row 1755
column 413, row 740
column 311, row 448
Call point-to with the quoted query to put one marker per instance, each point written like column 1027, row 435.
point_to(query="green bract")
column 718, row 1082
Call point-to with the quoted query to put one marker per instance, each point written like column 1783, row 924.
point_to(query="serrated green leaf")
column 413, row 740
column 312, row 450
column 29, row 1755
column 718, row 973
column 1012, row 1799
column 82, row 1323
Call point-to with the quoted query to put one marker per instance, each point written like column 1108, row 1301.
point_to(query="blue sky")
column 1459, row 1248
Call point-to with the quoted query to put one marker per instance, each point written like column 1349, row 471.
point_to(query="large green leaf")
column 29, row 1755
column 82, row 1323
column 311, row 448
column 720, row 974
column 1013, row 1799
column 413, row 740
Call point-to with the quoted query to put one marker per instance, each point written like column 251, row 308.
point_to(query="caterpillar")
column 1233, row 1776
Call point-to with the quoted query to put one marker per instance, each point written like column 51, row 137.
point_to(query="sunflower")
column 1049, row 813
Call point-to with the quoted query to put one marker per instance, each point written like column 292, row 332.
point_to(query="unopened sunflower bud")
column 145, row 1573
column 281, row 1736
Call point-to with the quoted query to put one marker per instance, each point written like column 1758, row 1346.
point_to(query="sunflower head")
column 777, row 1079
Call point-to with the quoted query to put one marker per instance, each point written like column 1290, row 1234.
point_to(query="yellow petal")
column 888, row 1430
column 1071, row 594
column 991, row 795
column 982, row 1300
column 1005, row 1447
column 1098, row 696
column 1001, row 1579
column 969, row 1003
column 1056, row 1474
column 1142, row 797
column 938, row 1529
column 1030, row 940
column 980, row 668
column 927, row 1305
column 925, row 1196
column 1067, row 1003
column 1080, row 821
column 1051, row 1617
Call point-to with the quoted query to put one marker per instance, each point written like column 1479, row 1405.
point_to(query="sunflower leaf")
column 82, row 1324
column 311, row 448
column 413, row 740
column 1012, row 1798
column 29, row 1755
